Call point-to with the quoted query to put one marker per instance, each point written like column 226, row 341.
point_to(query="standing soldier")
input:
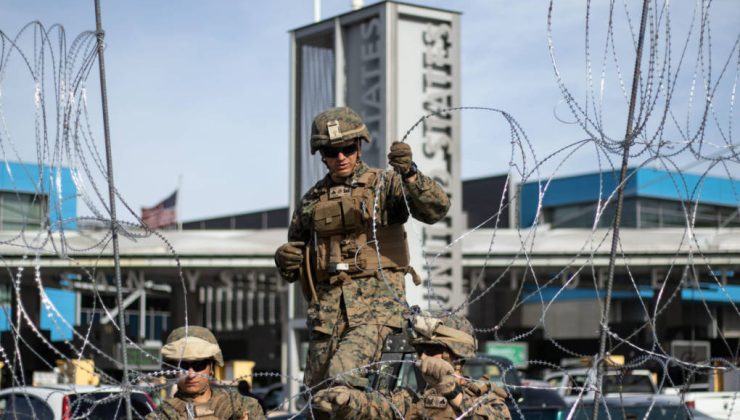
column 198, row 353
column 347, row 246
column 443, row 344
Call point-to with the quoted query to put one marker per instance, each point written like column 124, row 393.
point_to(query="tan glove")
column 400, row 157
column 289, row 256
column 332, row 399
column 438, row 374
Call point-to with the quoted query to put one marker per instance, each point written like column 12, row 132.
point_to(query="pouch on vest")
column 345, row 239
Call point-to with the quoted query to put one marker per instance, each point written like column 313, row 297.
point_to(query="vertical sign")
column 365, row 52
column 427, row 67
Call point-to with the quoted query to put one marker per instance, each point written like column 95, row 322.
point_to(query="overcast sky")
column 201, row 89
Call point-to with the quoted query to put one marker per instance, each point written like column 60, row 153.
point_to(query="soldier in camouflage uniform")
column 198, row 353
column 443, row 344
column 348, row 247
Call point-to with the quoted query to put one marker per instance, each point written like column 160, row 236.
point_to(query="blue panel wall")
column 692, row 187
column 55, row 182
column 65, row 302
column 6, row 313
column 570, row 190
column 643, row 182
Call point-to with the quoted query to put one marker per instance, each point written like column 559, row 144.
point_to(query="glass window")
column 583, row 215
column 107, row 405
column 729, row 216
column 649, row 218
column 24, row 406
column 618, row 384
column 22, row 211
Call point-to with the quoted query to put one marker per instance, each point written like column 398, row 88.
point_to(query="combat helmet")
column 198, row 344
column 336, row 126
column 450, row 330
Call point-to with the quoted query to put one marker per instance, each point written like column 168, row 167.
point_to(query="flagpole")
column 177, row 202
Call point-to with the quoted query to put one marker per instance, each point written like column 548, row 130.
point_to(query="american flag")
column 161, row 215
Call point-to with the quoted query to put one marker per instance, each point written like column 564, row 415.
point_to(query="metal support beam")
column 125, row 304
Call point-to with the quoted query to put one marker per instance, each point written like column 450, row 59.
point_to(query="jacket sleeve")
column 252, row 408
column 426, row 199
column 488, row 406
column 374, row 405
column 298, row 230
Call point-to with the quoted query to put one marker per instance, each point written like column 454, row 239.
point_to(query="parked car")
column 627, row 393
column 275, row 396
column 66, row 402
column 571, row 382
column 524, row 402
column 715, row 404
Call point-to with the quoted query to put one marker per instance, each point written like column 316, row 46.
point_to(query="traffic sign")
column 518, row 353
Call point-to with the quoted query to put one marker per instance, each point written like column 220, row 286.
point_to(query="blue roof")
column 642, row 182
column 33, row 179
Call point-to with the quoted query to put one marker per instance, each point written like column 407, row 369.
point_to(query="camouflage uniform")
column 354, row 312
column 222, row 405
column 480, row 401
column 196, row 343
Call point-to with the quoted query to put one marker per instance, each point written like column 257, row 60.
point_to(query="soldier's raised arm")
column 425, row 197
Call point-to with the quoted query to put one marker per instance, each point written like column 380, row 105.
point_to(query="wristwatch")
column 413, row 169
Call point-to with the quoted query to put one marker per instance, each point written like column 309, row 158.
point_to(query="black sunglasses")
column 196, row 365
column 332, row 152
column 430, row 349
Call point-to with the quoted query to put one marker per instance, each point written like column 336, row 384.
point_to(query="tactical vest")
column 344, row 240
column 188, row 410
column 431, row 406
column 222, row 405
column 434, row 406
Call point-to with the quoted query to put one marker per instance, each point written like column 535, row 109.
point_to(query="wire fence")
column 677, row 102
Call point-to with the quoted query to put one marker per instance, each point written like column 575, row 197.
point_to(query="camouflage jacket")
column 379, row 299
column 224, row 404
column 480, row 401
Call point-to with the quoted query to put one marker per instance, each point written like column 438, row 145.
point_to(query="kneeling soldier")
column 442, row 343
column 198, row 352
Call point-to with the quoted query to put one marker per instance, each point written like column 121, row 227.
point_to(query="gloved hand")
column 438, row 374
column 400, row 157
column 290, row 256
column 332, row 400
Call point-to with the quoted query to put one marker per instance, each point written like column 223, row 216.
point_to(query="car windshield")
column 107, row 405
column 617, row 384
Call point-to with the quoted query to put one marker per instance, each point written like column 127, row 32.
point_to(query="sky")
column 199, row 91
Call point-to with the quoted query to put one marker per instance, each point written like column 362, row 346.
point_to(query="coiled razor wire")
column 684, row 117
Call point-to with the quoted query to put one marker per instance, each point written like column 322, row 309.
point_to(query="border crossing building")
column 537, row 288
